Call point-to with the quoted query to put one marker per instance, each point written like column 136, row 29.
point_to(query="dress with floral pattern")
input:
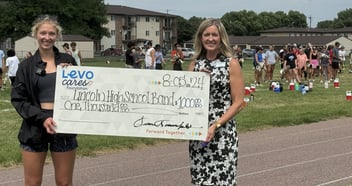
column 216, row 163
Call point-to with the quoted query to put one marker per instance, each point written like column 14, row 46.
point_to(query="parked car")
column 187, row 52
column 112, row 52
column 247, row 53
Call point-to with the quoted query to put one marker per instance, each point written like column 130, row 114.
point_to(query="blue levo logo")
column 77, row 78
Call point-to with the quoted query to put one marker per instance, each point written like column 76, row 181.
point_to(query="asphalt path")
column 317, row 154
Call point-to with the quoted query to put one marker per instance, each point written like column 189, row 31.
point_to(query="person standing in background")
column 66, row 48
column 177, row 57
column 301, row 63
column 314, row 62
column 342, row 56
column 129, row 55
column 159, row 59
column 335, row 60
column 350, row 67
column 271, row 57
column 2, row 63
column 76, row 54
column 214, row 161
column 12, row 62
column 238, row 53
column 260, row 65
column 32, row 95
column 137, row 58
column 308, row 50
column 292, row 66
column 149, row 55
column 283, row 72
column 324, row 63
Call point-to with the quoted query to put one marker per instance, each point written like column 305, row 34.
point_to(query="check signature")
column 160, row 123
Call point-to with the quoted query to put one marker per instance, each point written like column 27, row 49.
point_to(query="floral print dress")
column 216, row 163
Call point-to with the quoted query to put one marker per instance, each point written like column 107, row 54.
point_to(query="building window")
column 167, row 22
column 112, row 32
column 157, row 19
column 137, row 18
column 147, row 19
column 112, row 18
column 167, row 36
column 157, row 33
column 147, row 33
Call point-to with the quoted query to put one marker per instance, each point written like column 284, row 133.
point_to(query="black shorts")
column 56, row 142
column 335, row 65
column 292, row 66
column 158, row 66
column 0, row 70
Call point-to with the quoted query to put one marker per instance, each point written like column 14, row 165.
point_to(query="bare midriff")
column 47, row 105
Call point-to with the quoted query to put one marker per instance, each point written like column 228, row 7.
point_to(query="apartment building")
column 138, row 25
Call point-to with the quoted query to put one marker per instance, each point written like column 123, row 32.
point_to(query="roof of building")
column 344, row 30
column 279, row 41
column 125, row 10
column 244, row 39
column 282, row 40
column 306, row 30
column 75, row 38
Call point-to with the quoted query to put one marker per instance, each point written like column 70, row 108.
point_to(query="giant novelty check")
column 132, row 102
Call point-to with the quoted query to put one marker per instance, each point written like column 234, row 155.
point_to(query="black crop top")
column 314, row 56
column 46, row 86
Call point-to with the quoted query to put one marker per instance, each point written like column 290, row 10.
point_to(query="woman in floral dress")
column 214, row 160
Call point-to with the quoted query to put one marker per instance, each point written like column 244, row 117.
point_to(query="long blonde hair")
column 225, row 48
column 47, row 19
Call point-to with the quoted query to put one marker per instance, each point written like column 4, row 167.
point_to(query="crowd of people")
column 299, row 63
column 153, row 57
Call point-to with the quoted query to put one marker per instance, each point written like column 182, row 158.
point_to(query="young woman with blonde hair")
column 32, row 96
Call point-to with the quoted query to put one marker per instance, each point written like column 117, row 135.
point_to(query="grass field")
column 269, row 109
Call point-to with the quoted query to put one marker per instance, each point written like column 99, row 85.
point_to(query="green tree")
column 249, row 23
column 194, row 24
column 187, row 28
column 242, row 23
column 183, row 31
column 325, row 24
column 282, row 19
column 268, row 20
column 297, row 19
column 84, row 17
column 344, row 18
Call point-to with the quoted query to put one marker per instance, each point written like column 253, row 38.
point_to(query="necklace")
column 210, row 59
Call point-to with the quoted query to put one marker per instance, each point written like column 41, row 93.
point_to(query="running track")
column 317, row 154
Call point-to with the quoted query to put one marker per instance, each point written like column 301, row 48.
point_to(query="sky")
column 318, row 10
